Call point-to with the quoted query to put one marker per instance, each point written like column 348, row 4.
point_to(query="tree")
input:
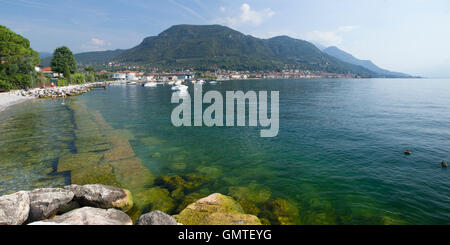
column 62, row 57
column 17, row 60
column 66, row 72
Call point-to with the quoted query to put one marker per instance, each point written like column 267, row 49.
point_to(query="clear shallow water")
column 338, row 157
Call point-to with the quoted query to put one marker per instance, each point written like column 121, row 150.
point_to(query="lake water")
column 338, row 157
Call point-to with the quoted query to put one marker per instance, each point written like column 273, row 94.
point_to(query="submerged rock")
column 45, row 203
column 156, row 218
column 282, row 212
column 216, row 209
column 90, row 216
column 102, row 196
column 252, row 193
column 156, row 198
column 14, row 208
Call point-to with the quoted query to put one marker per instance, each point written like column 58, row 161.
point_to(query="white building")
column 118, row 76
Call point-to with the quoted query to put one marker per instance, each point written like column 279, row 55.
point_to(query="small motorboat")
column 131, row 83
column 213, row 82
column 200, row 81
column 444, row 164
column 150, row 84
column 180, row 88
column 408, row 152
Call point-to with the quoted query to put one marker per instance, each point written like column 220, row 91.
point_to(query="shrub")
column 5, row 85
column 62, row 82
column 78, row 78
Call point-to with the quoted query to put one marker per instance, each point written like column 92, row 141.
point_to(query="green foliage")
column 5, row 85
column 63, row 61
column 17, row 60
column 89, row 69
column 77, row 78
column 62, row 82
column 90, row 77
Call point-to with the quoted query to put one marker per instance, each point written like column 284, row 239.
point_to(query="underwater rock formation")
column 216, row 209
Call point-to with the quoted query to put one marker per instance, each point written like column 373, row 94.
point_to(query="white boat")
column 150, row 84
column 178, row 83
column 213, row 82
column 201, row 82
column 180, row 88
column 132, row 83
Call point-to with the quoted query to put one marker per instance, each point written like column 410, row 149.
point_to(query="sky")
column 411, row 36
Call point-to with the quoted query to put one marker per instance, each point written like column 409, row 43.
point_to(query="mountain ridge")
column 205, row 47
column 344, row 56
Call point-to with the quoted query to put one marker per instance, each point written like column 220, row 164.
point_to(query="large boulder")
column 156, row 218
column 14, row 208
column 46, row 202
column 90, row 216
column 102, row 196
column 216, row 209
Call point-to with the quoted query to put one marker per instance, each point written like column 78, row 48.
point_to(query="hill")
column 215, row 46
column 204, row 47
column 346, row 57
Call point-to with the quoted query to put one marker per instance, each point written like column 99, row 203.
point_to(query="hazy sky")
column 411, row 36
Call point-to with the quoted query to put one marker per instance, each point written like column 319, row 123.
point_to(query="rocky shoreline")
column 70, row 90
column 107, row 205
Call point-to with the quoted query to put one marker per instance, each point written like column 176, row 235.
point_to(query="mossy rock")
column 77, row 161
column 189, row 199
column 249, row 207
column 216, row 209
column 281, row 212
column 188, row 182
column 155, row 198
column 132, row 174
column 252, row 193
column 177, row 194
column 96, row 174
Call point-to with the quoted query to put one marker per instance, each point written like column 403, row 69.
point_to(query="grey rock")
column 14, row 208
column 92, row 216
column 102, row 196
column 156, row 218
column 46, row 202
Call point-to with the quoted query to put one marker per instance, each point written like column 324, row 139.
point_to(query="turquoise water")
column 338, row 157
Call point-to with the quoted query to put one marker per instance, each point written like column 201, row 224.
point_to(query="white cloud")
column 245, row 15
column 329, row 38
column 95, row 44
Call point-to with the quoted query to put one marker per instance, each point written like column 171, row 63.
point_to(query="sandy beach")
column 7, row 99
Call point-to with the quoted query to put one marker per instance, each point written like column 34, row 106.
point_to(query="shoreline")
column 7, row 99
column 15, row 97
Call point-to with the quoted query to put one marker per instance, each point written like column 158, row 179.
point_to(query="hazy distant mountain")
column 44, row 55
column 346, row 57
column 95, row 57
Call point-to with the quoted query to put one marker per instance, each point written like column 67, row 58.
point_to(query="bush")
column 77, row 78
column 5, row 85
column 62, row 82
column 90, row 78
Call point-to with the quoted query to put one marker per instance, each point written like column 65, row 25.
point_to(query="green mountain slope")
column 346, row 57
column 215, row 46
